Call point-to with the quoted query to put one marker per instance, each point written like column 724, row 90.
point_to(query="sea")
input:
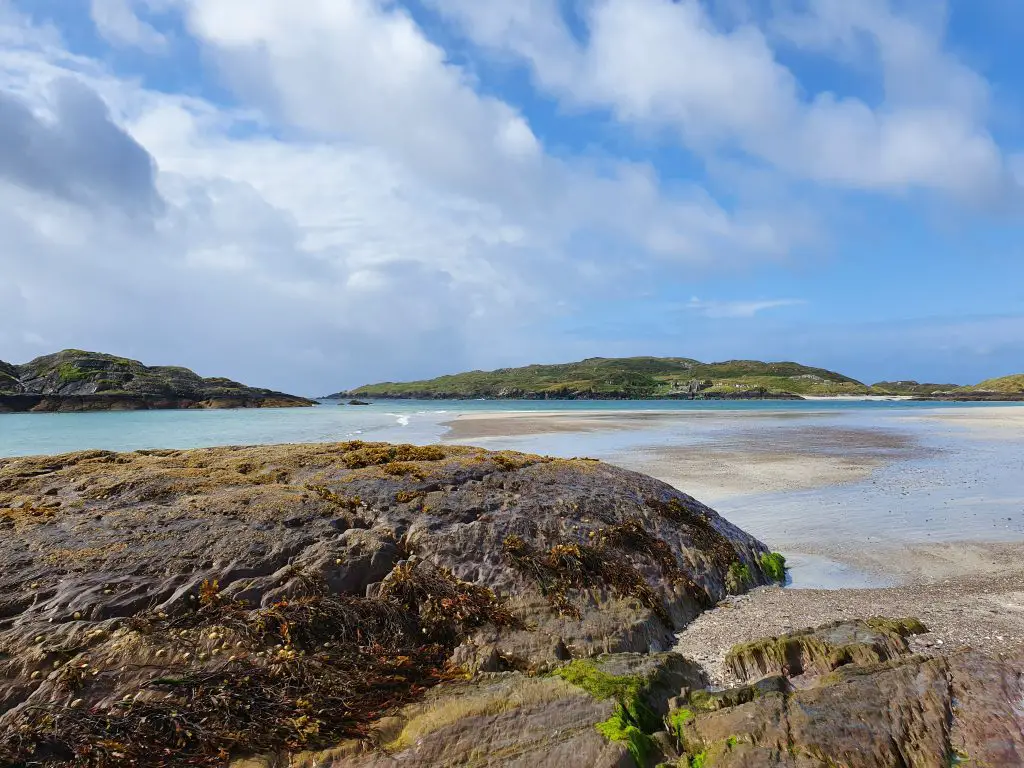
column 408, row 421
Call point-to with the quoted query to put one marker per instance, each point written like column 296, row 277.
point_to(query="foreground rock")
column 166, row 607
column 852, row 694
column 378, row 606
column 74, row 380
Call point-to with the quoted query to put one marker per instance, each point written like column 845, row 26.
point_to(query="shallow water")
column 404, row 420
column 935, row 482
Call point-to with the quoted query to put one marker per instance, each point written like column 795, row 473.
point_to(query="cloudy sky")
column 313, row 194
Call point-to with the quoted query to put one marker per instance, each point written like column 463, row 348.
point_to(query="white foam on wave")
column 402, row 419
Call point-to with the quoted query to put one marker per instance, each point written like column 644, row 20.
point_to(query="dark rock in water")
column 364, row 569
column 357, row 402
column 74, row 380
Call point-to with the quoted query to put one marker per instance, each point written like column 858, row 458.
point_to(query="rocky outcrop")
column 74, row 380
column 366, row 605
column 822, row 650
column 209, row 603
column 861, row 700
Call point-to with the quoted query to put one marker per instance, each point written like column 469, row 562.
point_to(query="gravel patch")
column 981, row 612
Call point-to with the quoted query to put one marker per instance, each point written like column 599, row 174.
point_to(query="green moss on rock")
column 621, row 728
column 739, row 578
column 824, row 649
column 774, row 566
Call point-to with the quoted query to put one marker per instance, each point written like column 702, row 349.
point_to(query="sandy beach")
column 760, row 460
column 915, row 513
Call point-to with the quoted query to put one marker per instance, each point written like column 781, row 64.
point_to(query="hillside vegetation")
column 631, row 377
column 1006, row 385
column 912, row 388
column 77, row 380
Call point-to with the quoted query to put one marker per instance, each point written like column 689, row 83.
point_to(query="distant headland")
column 643, row 378
column 75, row 380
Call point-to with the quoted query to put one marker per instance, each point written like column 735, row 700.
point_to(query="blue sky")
column 315, row 195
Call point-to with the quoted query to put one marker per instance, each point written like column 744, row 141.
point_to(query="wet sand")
column 754, row 461
column 1002, row 422
column 910, row 513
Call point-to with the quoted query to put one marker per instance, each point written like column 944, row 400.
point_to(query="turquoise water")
column 945, row 484
column 404, row 421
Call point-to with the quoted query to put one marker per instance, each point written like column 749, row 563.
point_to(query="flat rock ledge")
column 194, row 607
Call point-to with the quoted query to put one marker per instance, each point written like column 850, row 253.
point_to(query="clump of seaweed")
column 448, row 609
column 570, row 565
column 706, row 537
column 301, row 674
column 358, row 455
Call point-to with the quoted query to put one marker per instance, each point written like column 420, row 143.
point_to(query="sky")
column 315, row 194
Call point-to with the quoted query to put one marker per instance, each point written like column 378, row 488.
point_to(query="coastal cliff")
column 366, row 605
column 74, row 380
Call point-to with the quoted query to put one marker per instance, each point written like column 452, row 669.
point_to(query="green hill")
column 630, row 377
column 77, row 380
column 912, row 388
column 1010, row 385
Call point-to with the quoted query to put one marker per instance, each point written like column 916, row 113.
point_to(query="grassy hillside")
column 1006, row 385
column 912, row 388
column 638, row 377
column 76, row 373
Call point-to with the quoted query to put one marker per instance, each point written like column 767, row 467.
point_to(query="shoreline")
column 887, row 499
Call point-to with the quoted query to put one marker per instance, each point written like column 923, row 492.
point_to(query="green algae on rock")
column 824, row 649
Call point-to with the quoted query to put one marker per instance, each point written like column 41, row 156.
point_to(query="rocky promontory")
column 363, row 604
column 74, row 380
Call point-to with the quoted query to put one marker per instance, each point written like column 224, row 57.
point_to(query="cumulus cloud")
column 667, row 63
column 76, row 153
column 366, row 209
column 118, row 23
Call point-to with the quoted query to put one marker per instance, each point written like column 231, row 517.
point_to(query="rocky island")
column 672, row 378
column 626, row 378
column 364, row 605
column 74, row 380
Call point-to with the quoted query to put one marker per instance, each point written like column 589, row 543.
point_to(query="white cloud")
column 118, row 23
column 666, row 63
column 348, row 247
column 738, row 309
column 369, row 212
